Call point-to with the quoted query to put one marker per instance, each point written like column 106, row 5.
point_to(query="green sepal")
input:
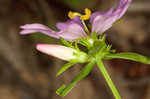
column 94, row 36
column 102, row 37
column 97, row 49
column 129, row 56
column 76, row 45
column 87, row 42
column 64, row 68
column 64, row 90
column 66, row 43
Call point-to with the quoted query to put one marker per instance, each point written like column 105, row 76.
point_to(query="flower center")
column 82, row 17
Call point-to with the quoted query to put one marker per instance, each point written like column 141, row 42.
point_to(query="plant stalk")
column 108, row 79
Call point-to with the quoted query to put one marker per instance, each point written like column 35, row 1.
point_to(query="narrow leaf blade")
column 59, row 90
column 107, row 78
column 82, row 74
column 64, row 68
column 130, row 56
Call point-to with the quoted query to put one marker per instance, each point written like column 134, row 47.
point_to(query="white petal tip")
column 40, row 47
column 22, row 26
column 45, row 48
column 22, row 32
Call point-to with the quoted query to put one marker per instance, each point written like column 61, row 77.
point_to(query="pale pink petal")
column 62, row 52
column 64, row 25
column 101, row 21
column 74, row 31
column 35, row 27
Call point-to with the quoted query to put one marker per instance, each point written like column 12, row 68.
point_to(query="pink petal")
column 74, row 31
column 62, row 52
column 32, row 28
column 101, row 21
column 35, row 26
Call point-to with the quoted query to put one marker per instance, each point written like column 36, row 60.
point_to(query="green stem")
column 108, row 79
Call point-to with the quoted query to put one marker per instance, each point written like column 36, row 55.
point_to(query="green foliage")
column 107, row 78
column 98, row 50
column 87, row 42
column 66, row 43
column 64, row 68
column 60, row 89
column 130, row 56
column 63, row 90
column 94, row 36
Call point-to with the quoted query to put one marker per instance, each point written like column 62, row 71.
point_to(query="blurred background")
column 28, row 74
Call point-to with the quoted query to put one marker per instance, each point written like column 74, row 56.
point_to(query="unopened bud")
column 62, row 52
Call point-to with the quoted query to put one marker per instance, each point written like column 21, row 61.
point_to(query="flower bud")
column 62, row 52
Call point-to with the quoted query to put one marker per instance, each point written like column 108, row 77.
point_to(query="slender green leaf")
column 60, row 89
column 64, row 68
column 82, row 74
column 130, row 56
column 107, row 78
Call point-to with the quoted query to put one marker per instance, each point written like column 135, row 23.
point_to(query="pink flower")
column 74, row 28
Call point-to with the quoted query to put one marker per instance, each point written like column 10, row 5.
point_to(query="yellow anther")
column 87, row 14
column 82, row 17
column 72, row 15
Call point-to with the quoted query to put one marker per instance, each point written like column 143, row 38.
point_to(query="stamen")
column 72, row 15
column 87, row 14
column 82, row 17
